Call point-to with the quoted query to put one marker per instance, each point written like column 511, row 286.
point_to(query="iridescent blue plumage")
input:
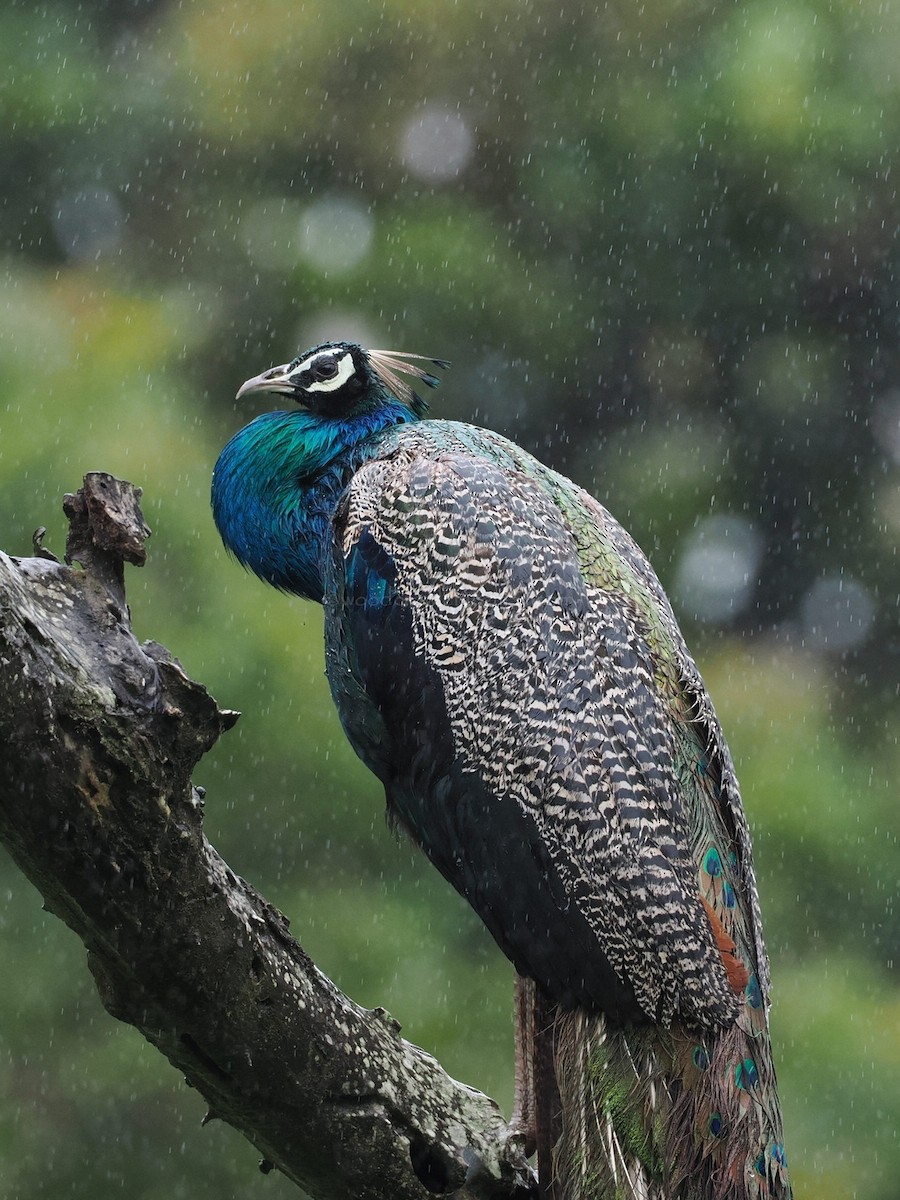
column 278, row 480
column 503, row 657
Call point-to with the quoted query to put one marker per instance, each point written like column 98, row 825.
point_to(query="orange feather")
column 738, row 978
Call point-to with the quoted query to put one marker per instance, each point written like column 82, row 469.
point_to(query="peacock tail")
column 665, row 1115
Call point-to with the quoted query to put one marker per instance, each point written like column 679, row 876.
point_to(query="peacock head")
column 337, row 379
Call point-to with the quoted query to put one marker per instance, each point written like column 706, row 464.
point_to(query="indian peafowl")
column 504, row 659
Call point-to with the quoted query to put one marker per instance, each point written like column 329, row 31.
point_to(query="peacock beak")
column 276, row 379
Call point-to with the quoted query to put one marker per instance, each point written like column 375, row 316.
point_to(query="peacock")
column 504, row 659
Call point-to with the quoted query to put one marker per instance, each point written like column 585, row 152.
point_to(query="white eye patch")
column 345, row 369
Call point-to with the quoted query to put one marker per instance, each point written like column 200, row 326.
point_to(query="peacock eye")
column 325, row 370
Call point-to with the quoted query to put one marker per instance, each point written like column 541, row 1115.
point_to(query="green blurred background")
column 659, row 243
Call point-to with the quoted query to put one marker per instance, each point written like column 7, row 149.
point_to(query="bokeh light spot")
column 437, row 144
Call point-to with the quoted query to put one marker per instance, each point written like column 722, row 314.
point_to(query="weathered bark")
column 99, row 737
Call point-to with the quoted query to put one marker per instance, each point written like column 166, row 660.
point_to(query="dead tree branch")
column 98, row 739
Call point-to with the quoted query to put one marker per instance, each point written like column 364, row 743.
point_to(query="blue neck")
column 277, row 482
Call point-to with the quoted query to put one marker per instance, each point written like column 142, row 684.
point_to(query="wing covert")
column 517, row 711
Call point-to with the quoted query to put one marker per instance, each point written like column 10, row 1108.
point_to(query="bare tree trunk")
column 98, row 739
